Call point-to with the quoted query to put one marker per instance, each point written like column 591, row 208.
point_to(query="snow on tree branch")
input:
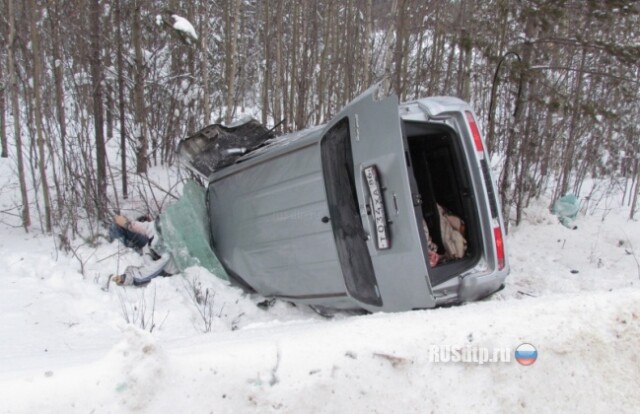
column 181, row 26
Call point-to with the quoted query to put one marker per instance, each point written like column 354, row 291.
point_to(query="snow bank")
column 548, row 258
column 378, row 363
column 52, row 315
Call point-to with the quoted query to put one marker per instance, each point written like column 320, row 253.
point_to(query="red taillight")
column 497, row 233
column 474, row 131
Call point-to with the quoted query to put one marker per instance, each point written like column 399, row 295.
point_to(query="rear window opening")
column 448, row 206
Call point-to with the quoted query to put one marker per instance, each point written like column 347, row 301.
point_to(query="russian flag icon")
column 526, row 354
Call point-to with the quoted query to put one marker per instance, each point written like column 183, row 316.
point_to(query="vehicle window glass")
column 350, row 237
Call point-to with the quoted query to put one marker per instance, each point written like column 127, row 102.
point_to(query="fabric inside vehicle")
column 443, row 182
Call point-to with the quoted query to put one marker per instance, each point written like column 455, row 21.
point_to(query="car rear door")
column 387, row 207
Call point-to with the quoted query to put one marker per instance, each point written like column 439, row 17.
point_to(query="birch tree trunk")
column 437, row 52
column 389, row 39
column 304, row 73
column 98, row 116
column 140, row 129
column 293, row 73
column 3, row 133
column 322, row 76
column 636, row 189
column 368, row 15
column 58, row 73
column 121, row 108
column 37, row 76
column 266, row 74
column 15, row 103
column 204, row 62
column 400, row 55
column 232, row 18
column 277, row 85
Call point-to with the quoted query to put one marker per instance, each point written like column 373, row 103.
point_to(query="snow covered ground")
column 69, row 342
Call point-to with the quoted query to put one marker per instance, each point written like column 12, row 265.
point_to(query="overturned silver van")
column 354, row 214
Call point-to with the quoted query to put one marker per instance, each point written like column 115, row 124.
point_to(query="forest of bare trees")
column 555, row 84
